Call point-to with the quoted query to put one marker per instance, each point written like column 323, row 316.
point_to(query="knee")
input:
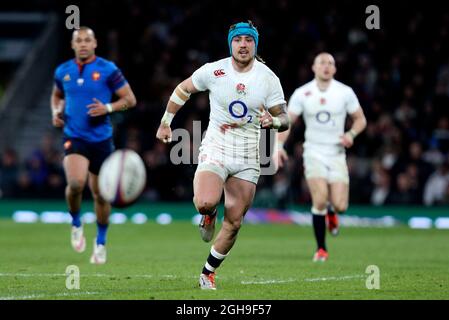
column 97, row 197
column 340, row 206
column 76, row 186
column 204, row 205
column 320, row 203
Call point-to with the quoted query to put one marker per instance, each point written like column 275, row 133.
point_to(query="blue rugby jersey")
column 98, row 78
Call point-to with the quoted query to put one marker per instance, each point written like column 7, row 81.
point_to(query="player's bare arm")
column 178, row 98
column 57, row 107
column 276, row 118
column 282, row 137
column 358, row 125
column 126, row 100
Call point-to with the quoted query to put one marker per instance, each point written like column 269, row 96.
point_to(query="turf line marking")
column 268, row 281
column 335, row 278
column 273, row 281
column 82, row 275
column 169, row 276
column 37, row 296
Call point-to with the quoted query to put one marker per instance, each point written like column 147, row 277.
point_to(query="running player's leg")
column 319, row 192
column 339, row 197
column 98, row 153
column 239, row 195
column 103, row 210
column 76, row 168
column 339, row 192
column 207, row 190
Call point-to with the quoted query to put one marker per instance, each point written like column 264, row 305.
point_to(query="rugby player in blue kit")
column 81, row 104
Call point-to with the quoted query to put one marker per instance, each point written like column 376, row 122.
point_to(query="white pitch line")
column 274, row 281
column 37, row 296
column 335, row 278
column 267, row 281
column 81, row 275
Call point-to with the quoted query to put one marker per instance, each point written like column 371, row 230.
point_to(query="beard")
column 243, row 62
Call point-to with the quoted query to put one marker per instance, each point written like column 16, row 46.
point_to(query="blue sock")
column 76, row 221
column 101, row 233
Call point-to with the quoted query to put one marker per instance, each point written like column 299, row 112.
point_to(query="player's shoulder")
column 216, row 68
column 263, row 68
column 217, row 65
column 104, row 63
column 64, row 67
column 341, row 86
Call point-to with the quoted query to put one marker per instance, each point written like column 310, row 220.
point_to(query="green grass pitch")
column 272, row 262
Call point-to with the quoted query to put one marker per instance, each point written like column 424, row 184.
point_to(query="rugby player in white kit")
column 324, row 103
column 245, row 96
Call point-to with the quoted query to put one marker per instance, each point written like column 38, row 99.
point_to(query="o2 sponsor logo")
column 239, row 110
column 323, row 117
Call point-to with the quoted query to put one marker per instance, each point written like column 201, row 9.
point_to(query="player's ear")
column 95, row 43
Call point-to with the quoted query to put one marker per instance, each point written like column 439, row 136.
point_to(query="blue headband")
column 243, row 28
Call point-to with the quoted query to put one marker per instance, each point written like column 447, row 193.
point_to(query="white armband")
column 187, row 94
column 167, row 118
column 181, row 97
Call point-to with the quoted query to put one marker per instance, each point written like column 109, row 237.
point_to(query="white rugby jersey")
column 235, row 99
column 324, row 114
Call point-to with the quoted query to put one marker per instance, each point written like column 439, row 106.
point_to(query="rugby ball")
column 122, row 178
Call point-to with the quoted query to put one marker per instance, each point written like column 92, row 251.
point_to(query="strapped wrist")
column 276, row 123
column 109, row 107
column 167, row 118
column 353, row 133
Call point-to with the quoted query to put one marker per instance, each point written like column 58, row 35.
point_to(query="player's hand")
column 346, row 140
column 97, row 109
column 265, row 118
column 164, row 133
column 57, row 118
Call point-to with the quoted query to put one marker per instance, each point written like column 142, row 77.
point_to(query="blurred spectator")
column 25, row 187
column 440, row 135
column 381, row 191
column 9, row 169
column 405, row 193
column 435, row 189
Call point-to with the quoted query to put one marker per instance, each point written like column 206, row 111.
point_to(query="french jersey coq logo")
column 96, row 76
column 219, row 73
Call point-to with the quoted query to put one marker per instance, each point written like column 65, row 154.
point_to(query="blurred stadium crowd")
column 400, row 74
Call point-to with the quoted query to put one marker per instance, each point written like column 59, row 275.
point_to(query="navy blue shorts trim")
column 95, row 152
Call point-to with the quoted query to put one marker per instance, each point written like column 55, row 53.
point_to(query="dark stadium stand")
column 403, row 87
